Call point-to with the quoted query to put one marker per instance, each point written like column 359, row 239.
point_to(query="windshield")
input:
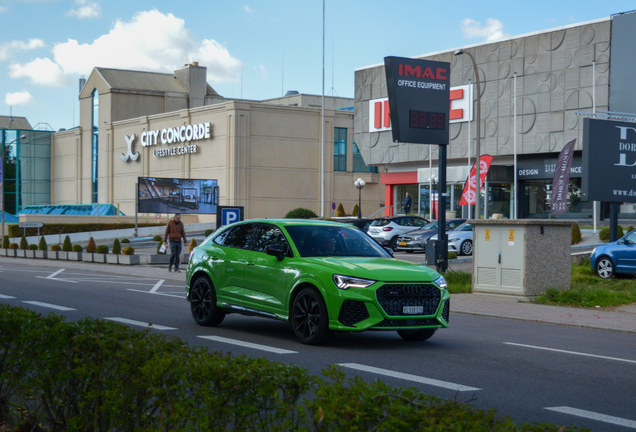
column 464, row 227
column 431, row 226
column 321, row 240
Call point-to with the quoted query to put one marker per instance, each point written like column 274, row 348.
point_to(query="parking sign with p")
column 228, row 215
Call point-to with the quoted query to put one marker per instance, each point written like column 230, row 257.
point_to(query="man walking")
column 407, row 204
column 174, row 232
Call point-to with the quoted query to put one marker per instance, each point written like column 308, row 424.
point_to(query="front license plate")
column 412, row 310
column 402, row 243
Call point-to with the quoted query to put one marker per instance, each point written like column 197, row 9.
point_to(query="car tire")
column 409, row 251
column 605, row 268
column 417, row 335
column 393, row 243
column 466, row 247
column 309, row 317
column 203, row 303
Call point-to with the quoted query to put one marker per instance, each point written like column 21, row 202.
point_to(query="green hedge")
column 105, row 376
column 16, row 231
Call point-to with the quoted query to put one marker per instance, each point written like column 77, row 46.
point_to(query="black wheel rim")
column 306, row 316
column 201, row 300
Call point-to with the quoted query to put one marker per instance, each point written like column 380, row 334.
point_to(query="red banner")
column 468, row 194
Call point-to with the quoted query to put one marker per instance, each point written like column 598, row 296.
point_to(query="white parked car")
column 387, row 230
column 460, row 240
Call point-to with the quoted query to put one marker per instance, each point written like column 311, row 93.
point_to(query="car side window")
column 267, row 235
column 239, row 236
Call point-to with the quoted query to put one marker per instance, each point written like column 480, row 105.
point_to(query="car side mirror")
column 389, row 250
column 275, row 250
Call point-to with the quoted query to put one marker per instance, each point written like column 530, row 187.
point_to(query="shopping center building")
column 560, row 74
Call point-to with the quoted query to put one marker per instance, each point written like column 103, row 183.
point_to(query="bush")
column 157, row 238
column 301, row 213
column 24, row 245
column 116, row 247
column 452, row 255
column 68, row 228
column 620, row 232
column 56, row 248
column 102, row 249
column 43, row 246
column 91, row 247
column 128, row 250
column 603, row 234
column 630, row 229
column 33, row 247
column 77, row 248
column 125, row 240
column 6, row 242
column 355, row 211
column 193, row 244
column 13, row 246
column 576, row 234
column 207, row 232
column 67, row 246
column 340, row 211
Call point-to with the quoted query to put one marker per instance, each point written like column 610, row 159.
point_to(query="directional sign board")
column 31, row 224
column 419, row 94
column 226, row 215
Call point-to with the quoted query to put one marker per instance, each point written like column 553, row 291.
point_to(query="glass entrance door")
column 499, row 199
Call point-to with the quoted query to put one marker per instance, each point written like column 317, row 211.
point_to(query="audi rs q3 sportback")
column 321, row 277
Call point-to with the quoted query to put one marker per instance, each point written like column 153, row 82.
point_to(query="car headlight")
column 454, row 239
column 346, row 282
column 441, row 282
column 417, row 238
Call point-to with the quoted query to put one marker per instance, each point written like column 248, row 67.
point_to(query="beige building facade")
column 265, row 155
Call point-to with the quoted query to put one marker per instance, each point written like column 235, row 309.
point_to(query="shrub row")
column 67, row 246
column 16, row 231
column 104, row 376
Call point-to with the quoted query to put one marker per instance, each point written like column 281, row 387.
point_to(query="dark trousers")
column 175, row 250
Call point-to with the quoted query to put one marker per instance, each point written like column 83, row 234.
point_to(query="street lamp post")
column 477, row 149
column 433, row 181
column 360, row 184
column 2, row 175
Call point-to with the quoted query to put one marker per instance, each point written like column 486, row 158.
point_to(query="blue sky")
column 253, row 49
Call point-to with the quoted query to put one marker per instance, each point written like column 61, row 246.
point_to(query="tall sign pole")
column 419, row 91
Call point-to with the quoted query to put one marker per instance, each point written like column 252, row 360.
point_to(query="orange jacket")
column 174, row 231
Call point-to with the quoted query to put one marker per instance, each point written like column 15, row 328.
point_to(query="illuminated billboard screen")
column 171, row 195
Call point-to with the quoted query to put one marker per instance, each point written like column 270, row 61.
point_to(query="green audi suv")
column 320, row 276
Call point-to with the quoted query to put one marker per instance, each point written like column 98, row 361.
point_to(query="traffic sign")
column 158, row 215
column 31, row 224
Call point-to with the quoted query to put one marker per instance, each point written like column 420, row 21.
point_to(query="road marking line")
column 52, row 276
column 56, row 279
column 6, row 296
column 571, row 352
column 249, row 345
column 158, row 293
column 48, row 305
column 409, row 377
column 139, row 323
column 594, row 416
column 157, row 285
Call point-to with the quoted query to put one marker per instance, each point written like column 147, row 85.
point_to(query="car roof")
column 294, row 222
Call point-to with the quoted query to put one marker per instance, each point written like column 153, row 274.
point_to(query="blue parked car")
column 615, row 257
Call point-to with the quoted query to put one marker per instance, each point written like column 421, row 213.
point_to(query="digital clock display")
column 427, row 120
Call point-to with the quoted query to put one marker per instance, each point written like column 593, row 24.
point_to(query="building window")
column 358, row 162
column 95, row 145
column 340, row 149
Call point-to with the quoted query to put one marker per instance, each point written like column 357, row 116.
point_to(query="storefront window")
column 537, row 195
column 400, row 194
column 499, row 199
column 340, row 149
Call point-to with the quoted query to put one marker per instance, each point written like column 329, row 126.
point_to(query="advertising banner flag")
column 561, row 180
column 468, row 194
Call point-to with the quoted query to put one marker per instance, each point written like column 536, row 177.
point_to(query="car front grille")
column 352, row 312
column 446, row 311
column 407, row 323
column 404, row 239
column 393, row 298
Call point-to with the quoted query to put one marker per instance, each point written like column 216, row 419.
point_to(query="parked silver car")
column 415, row 241
column 387, row 230
column 460, row 240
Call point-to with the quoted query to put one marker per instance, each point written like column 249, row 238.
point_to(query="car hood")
column 421, row 232
column 382, row 269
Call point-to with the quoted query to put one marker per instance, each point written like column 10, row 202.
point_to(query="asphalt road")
column 530, row 371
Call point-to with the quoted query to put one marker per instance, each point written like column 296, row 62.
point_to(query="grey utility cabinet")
column 521, row 257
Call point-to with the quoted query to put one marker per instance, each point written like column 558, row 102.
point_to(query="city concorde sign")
column 173, row 135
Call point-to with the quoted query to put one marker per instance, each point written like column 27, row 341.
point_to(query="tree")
column 43, row 246
column 91, row 247
column 24, row 244
column 340, row 211
column 116, row 247
column 67, row 246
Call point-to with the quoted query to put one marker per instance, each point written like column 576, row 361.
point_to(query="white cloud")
column 493, row 30
column 262, row 70
column 85, row 10
column 151, row 41
column 7, row 49
column 248, row 9
column 18, row 98
column 4, row 9
column 41, row 71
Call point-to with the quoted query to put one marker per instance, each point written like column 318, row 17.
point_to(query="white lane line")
column 139, row 323
column 48, row 305
column 571, row 352
column 409, row 377
column 51, row 276
column 158, row 293
column 157, row 285
column 249, row 345
column 594, row 416
column 6, row 296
